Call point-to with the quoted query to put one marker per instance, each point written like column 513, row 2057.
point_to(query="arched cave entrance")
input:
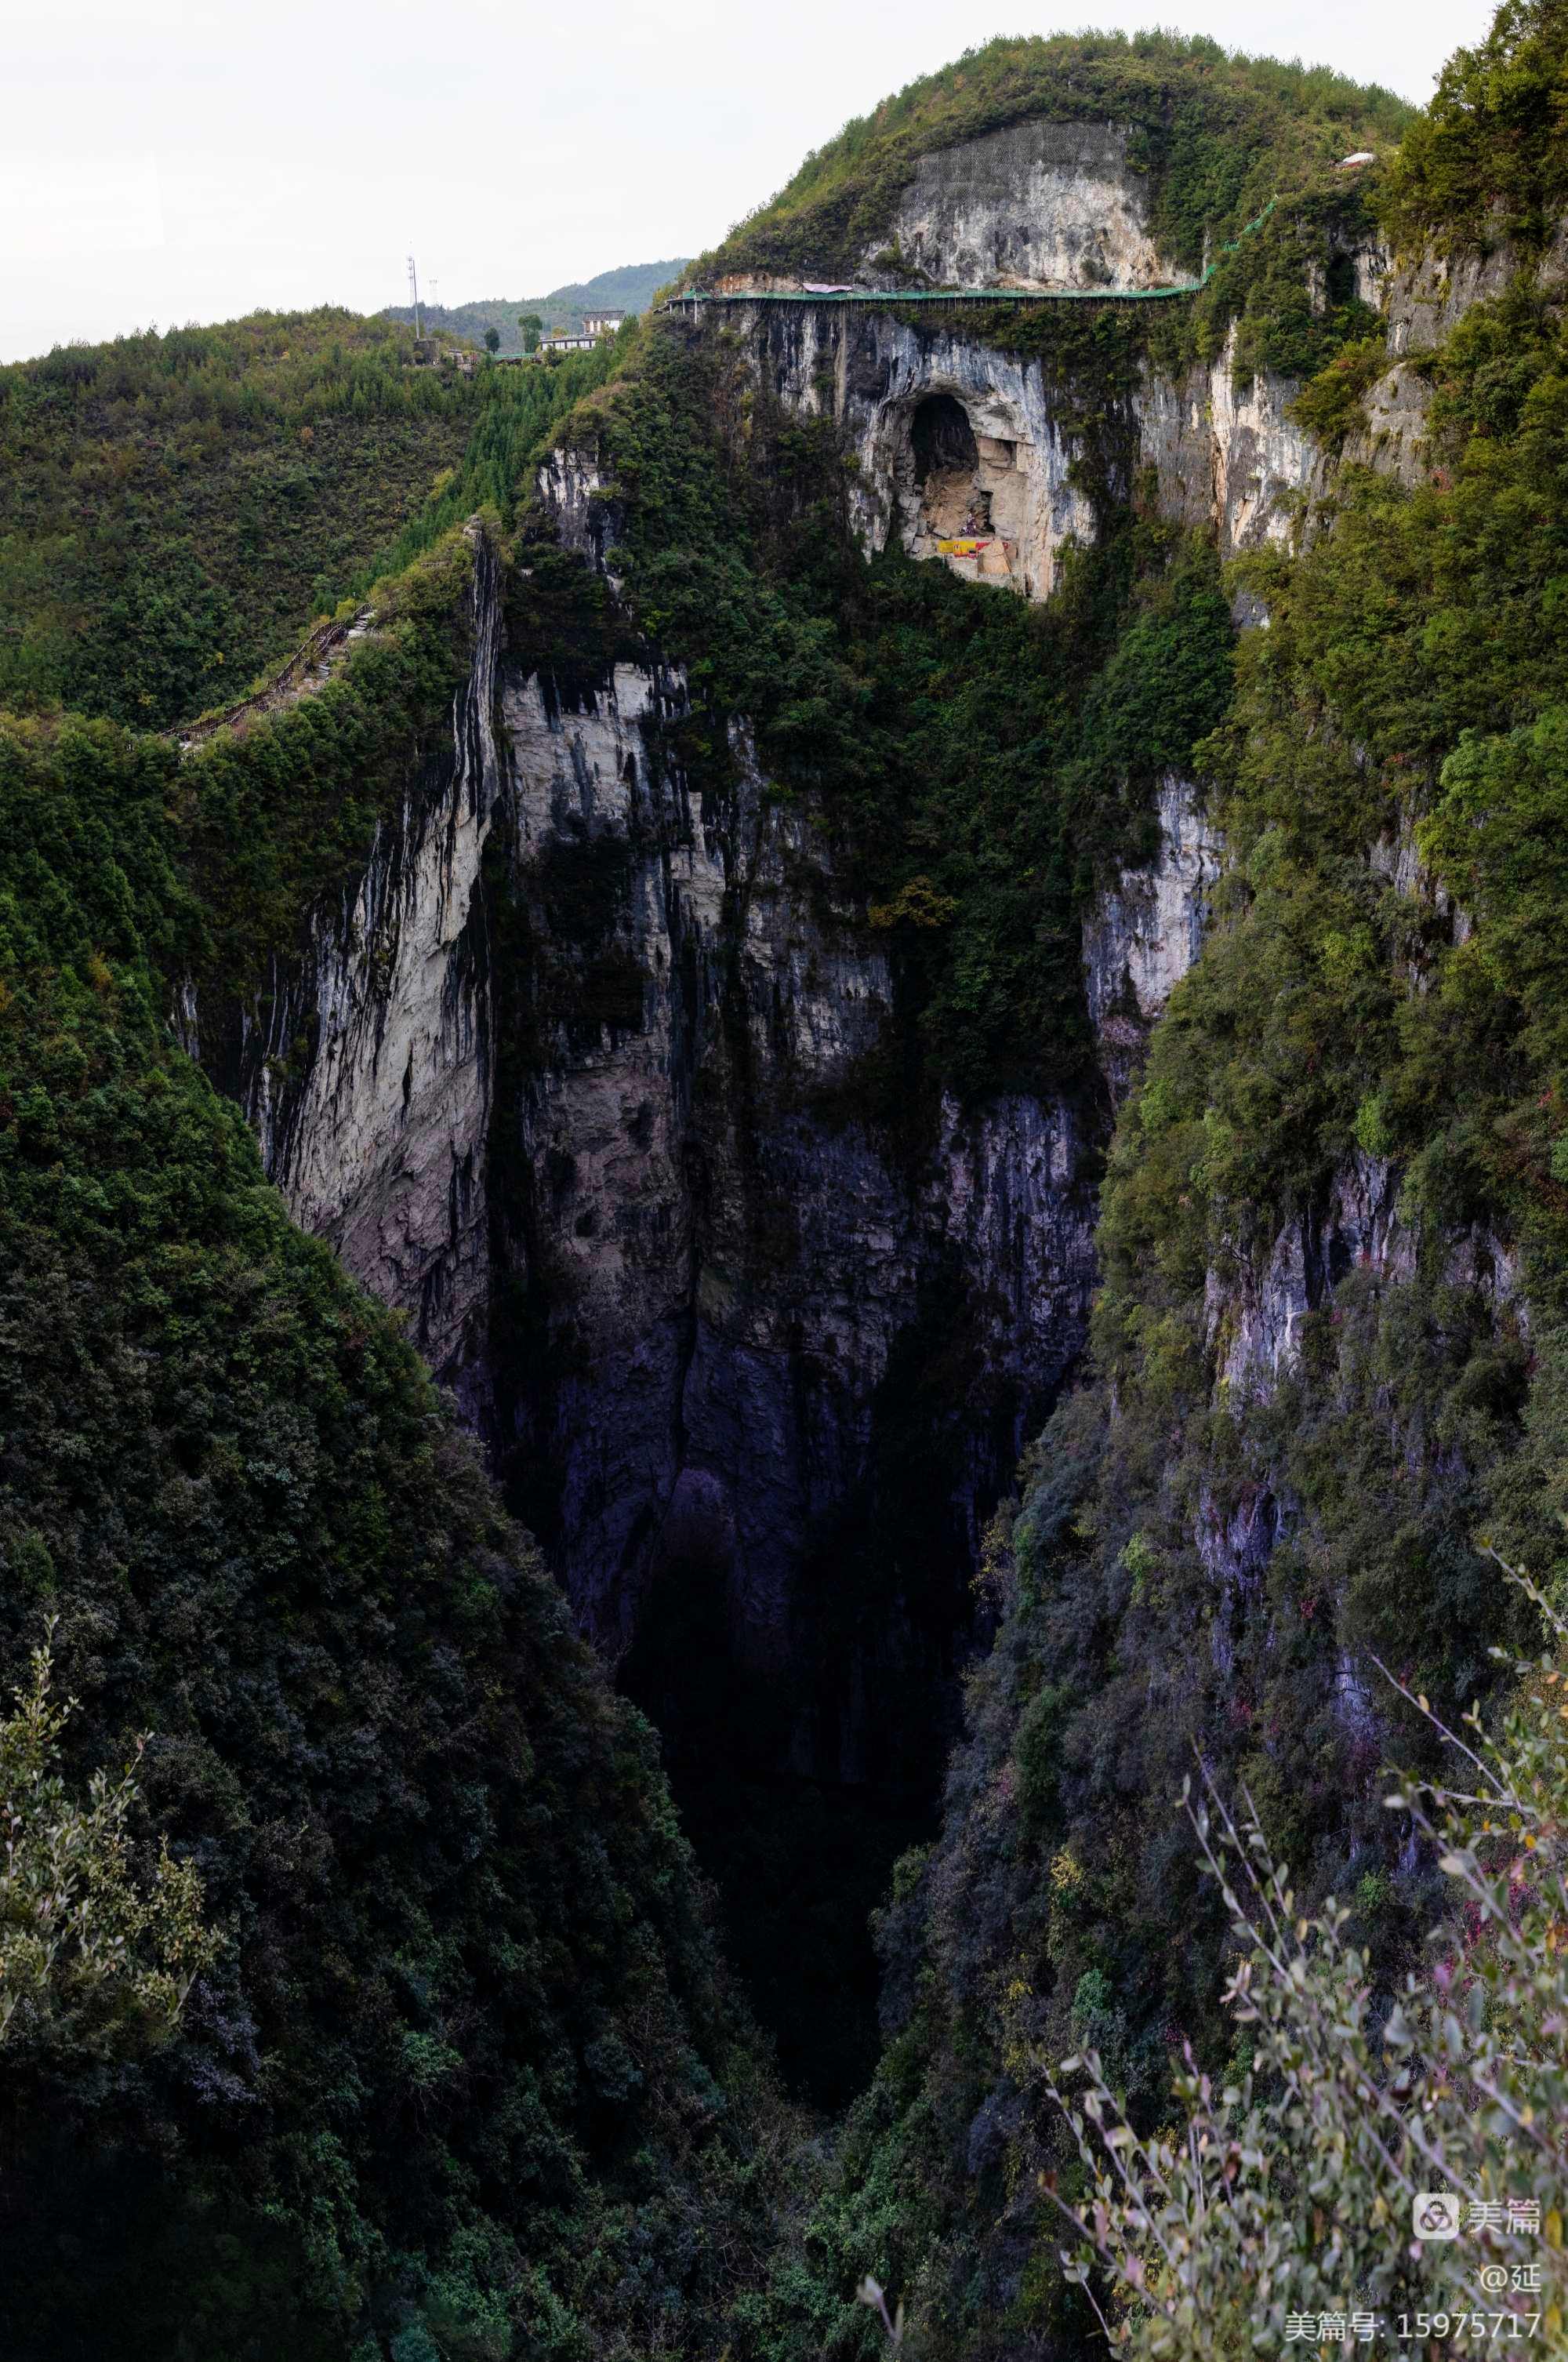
column 1339, row 281
column 943, row 438
column 947, row 468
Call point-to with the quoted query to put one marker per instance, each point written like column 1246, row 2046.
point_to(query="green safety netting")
column 695, row 295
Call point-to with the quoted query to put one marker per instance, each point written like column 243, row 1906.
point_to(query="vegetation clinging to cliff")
column 1487, row 159
column 982, row 760
column 454, row 2080
column 1215, row 1566
column 1217, row 135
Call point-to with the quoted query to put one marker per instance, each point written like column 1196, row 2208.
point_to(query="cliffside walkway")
column 693, row 299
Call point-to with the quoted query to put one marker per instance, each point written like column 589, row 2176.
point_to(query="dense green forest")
column 466, row 2078
column 175, row 508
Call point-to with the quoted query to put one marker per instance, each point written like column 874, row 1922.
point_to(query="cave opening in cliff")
column 1339, row 281
column 964, row 486
column 942, row 439
column 947, row 468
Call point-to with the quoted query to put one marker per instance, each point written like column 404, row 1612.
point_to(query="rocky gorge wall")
column 568, row 1074
column 588, row 1050
column 376, row 1133
column 1034, row 204
column 720, row 1260
column 1226, row 457
column 584, row 1047
column 1223, row 455
column 733, row 1267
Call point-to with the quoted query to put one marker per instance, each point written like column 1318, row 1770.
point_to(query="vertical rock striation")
column 365, row 1066
column 718, row 1262
column 1142, row 935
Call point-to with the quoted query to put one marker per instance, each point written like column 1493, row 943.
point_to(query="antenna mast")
column 414, row 296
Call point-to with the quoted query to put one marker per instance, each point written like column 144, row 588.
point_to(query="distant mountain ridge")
column 628, row 289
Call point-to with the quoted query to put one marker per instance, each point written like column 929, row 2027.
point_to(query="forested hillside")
column 630, row 289
column 990, row 1162
column 175, row 508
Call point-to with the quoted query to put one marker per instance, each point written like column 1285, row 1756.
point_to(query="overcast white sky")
column 166, row 160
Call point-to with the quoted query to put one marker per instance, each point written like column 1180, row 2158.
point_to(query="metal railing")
column 692, row 298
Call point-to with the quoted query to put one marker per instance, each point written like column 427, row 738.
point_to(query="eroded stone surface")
column 727, row 1260
column 1226, row 455
column 1034, row 204
column 364, row 1067
column 1142, row 937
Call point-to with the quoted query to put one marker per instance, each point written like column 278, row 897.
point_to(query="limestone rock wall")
column 1034, row 204
column 1143, row 934
column 384, row 1148
column 1225, row 455
column 723, row 1258
column 1423, row 299
column 872, row 372
column 375, row 1128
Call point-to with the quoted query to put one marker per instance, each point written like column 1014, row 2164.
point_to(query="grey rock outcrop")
column 1143, row 934
column 1034, row 204
column 1225, row 455
column 364, row 1067
column 382, row 1151
column 873, row 373
column 724, row 1260
column 1423, row 299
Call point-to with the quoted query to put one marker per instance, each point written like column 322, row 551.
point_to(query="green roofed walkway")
column 692, row 298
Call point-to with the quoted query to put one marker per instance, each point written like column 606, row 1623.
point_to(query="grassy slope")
column 1217, row 136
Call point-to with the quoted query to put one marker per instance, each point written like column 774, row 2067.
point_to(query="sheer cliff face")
column 713, row 1262
column 365, row 1063
column 1225, row 457
column 588, row 1049
column 1145, row 931
column 581, row 1093
column 1036, row 204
